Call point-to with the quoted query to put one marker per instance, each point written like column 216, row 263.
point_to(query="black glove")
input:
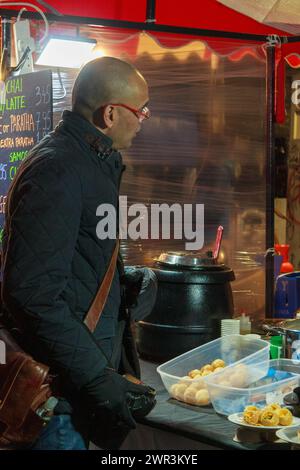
column 141, row 405
column 139, row 291
column 122, row 398
column 132, row 281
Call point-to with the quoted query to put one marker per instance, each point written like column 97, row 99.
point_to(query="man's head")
column 101, row 87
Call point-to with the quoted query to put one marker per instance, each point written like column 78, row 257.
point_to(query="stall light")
column 66, row 52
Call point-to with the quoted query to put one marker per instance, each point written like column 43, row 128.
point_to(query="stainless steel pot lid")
column 291, row 325
column 192, row 259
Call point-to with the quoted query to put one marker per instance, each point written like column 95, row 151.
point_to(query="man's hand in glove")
column 123, row 398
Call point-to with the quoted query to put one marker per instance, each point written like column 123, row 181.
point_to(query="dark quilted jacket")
column 53, row 260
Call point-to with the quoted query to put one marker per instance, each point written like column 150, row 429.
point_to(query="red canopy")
column 204, row 14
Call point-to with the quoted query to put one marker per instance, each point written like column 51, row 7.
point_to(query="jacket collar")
column 99, row 142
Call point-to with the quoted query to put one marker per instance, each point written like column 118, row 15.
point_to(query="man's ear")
column 103, row 117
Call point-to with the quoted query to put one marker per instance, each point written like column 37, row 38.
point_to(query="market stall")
column 217, row 88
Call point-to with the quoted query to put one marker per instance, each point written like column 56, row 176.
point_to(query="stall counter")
column 175, row 425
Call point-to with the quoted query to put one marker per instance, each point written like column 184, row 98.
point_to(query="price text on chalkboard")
column 25, row 118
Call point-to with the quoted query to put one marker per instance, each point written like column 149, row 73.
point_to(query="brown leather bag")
column 24, row 388
column 25, row 384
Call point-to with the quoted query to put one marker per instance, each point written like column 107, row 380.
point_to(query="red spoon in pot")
column 218, row 242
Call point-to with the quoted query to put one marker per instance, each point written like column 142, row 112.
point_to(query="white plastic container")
column 232, row 349
column 269, row 389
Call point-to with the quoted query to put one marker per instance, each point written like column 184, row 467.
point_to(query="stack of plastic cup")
column 230, row 327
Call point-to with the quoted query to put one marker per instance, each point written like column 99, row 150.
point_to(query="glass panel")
column 204, row 143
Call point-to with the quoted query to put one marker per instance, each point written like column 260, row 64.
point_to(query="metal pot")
column 290, row 332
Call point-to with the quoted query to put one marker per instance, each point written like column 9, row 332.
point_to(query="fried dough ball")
column 185, row 380
column 218, row 363
column 202, row 397
column 241, row 369
column 194, row 387
column 173, row 390
column 193, row 373
column 237, row 380
column 197, row 377
column 206, row 372
column 189, row 395
column 226, row 374
column 179, row 391
column 198, row 382
column 206, row 367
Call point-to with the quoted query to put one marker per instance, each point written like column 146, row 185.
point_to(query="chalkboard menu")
column 25, row 118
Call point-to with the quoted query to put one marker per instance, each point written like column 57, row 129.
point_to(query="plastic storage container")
column 282, row 376
column 232, row 349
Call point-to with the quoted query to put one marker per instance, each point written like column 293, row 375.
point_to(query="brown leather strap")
column 98, row 304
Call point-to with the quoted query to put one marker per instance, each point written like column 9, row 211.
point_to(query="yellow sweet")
column 251, row 416
column 270, row 415
column 285, row 417
column 273, row 407
column 269, row 418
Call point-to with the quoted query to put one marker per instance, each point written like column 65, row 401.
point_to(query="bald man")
column 113, row 96
column 54, row 261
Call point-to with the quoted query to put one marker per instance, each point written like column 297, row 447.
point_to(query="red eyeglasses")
column 141, row 114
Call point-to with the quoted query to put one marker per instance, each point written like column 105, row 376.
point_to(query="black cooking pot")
column 194, row 294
